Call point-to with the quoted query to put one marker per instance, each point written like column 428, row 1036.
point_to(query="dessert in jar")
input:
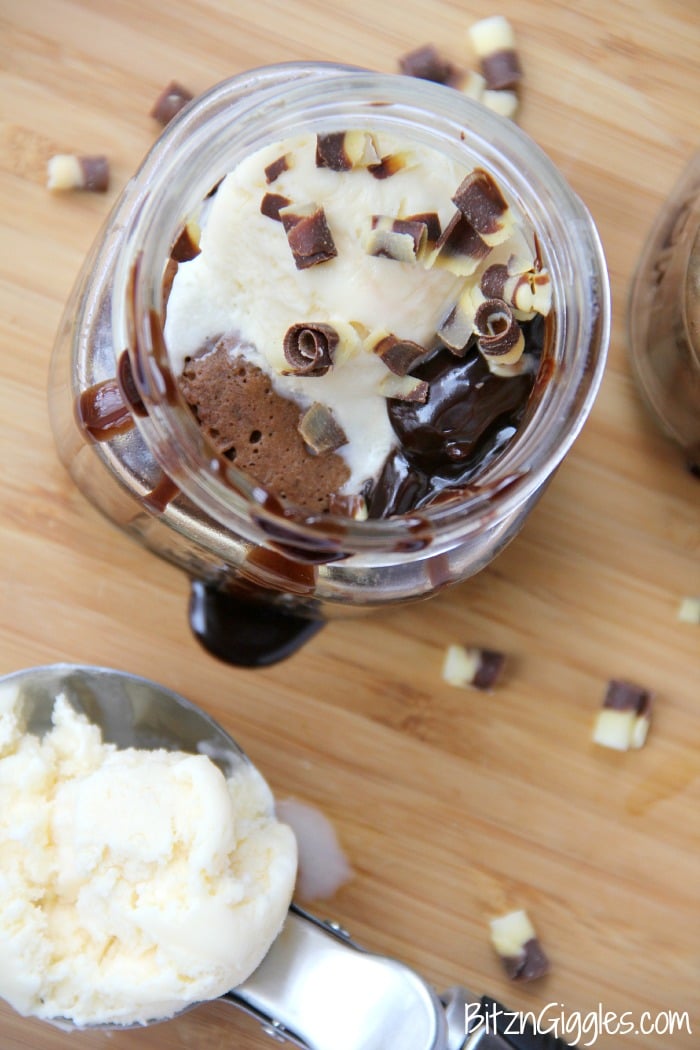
column 664, row 317
column 336, row 336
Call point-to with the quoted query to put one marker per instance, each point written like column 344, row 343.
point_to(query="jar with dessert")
column 664, row 317
column 332, row 343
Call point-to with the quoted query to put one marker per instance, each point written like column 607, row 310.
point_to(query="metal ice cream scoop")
column 316, row 989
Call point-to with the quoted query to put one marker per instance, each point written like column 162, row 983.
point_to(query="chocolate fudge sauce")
column 467, row 421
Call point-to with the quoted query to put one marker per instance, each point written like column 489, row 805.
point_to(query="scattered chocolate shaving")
column 426, row 63
column 275, row 169
column 271, row 203
column 67, row 171
column 481, row 202
column 623, row 721
column 309, row 348
column 320, row 431
column 480, row 668
column 399, row 355
column 494, row 43
column 499, row 334
column 514, row 938
column 171, row 100
column 399, row 239
column 308, row 234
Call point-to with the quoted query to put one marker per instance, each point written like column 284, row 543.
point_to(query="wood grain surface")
column 451, row 805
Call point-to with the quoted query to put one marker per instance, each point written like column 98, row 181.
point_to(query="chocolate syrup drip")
column 127, row 385
column 467, row 421
column 161, row 494
column 102, row 412
column 244, row 632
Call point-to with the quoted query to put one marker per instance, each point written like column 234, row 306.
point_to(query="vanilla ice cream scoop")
column 147, row 892
column 134, row 879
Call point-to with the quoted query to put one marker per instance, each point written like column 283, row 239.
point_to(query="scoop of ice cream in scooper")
column 143, row 870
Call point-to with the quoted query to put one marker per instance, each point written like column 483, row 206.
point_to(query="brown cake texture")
column 245, row 419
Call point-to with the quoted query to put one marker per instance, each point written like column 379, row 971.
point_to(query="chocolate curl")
column 623, row 722
column 499, row 334
column 481, row 202
column 308, row 234
column 309, row 349
column 459, row 248
column 399, row 355
column 399, row 239
column 171, row 100
column 320, row 431
column 493, row 41
column 67, row 171
column 345, row 150
column 426, row 63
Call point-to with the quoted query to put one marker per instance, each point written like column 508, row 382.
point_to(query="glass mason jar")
column 263, row 580
column 664, row 317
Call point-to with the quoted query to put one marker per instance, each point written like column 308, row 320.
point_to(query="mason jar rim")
column 267, row 104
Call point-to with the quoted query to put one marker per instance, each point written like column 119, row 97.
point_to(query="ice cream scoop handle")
column 317, row 989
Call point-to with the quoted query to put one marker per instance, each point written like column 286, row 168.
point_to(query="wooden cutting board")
column 452, row 806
